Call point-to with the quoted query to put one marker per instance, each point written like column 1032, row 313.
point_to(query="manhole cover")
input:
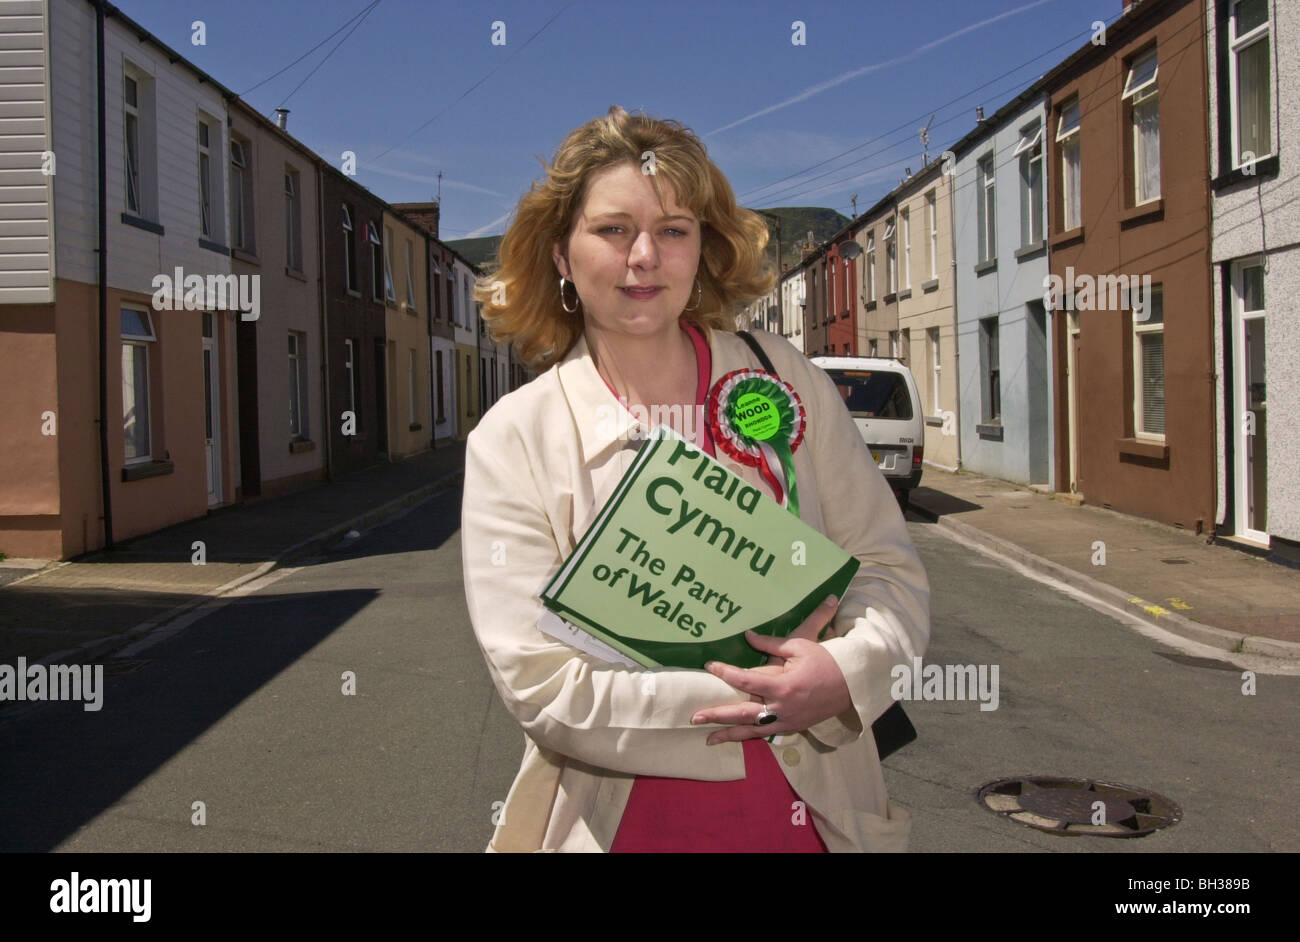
column 1079, row 806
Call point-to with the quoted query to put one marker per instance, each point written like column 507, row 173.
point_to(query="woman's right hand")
column 810, row 629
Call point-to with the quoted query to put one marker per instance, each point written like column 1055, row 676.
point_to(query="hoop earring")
column 577, row 303
column 700, row 289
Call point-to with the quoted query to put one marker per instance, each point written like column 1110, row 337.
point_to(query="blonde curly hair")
column 520, row 297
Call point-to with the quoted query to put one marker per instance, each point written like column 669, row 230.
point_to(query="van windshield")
column 873, row 394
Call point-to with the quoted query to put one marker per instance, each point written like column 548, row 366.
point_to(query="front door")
column 1072, row 345
column 1250, row 402
column 211, row 409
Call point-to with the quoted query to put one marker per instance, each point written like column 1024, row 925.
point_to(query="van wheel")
column 903, row 500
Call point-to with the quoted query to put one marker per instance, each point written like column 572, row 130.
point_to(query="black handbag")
column 892, row 729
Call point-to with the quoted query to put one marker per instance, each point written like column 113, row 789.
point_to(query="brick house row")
column 1093, row 286
column 196, row 308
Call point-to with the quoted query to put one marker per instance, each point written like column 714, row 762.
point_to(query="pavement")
column 84, row 609
column 87, row 608
column 1176, row 579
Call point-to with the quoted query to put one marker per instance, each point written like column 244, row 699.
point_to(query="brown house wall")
column 1174, row 484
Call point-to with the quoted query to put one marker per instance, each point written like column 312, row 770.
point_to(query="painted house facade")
column 1004, row 347
column 274, row 236
column 1253, row 57
column 167, row 452
column 470, row 395
column 1128, row 209
column 406, row 298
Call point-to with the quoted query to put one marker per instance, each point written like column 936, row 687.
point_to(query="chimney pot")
column 282, row 118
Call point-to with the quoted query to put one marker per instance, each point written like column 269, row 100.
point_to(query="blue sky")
column 869, row 77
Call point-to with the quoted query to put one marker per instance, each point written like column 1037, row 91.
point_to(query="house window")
column 410, row 385
column 350, row 371
column 376, row 262
column 1030, row 152
column 932, row 335
column 442, row 415
column 205, row 180
column 873, row 348
column 1141, row 93
column 987, row 222
column 349, row 248
column 298, row 384
column 906, row 217
column 410, row 279
column 990, row 372
column 389, row 293
column 241, row 196
column 1068, row 137
column 931, row 206
column 137, row 335
column 292, row 220
column 891, row 256
column 131, row 134
column 1149, row 367
column 1250, row 81
column 893, row 344
column 871, row 266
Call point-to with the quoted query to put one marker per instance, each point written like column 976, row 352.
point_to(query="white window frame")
column 932, row 335
column 131, row 142
column 1142, row 329
column 991, row 341
column 410, row 280
column 376, row 260
column 871, row 266
column 1142, row 91
column 1070, row 140
column 349, row 368
column 1030, row 153
column 986, row 210
column 891, row 256
column 390, row 291
column 205, row 178
column 932, row 203
column 241, row 184
column 298, row 418
column 349, row 250
column 142, row 342
column 1236, row 46
column 292, row 219
column 906, row 217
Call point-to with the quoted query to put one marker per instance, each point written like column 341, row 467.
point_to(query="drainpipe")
column 956, row 344
column 102, row 156
column 327, row 428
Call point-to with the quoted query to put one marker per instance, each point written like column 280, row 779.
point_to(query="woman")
column 642, row 234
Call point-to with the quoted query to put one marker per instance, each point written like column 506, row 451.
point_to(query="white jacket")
column 538, row 467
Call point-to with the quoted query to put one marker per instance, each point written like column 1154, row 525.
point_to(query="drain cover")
column 1070, row 805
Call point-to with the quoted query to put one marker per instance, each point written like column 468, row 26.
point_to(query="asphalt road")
column 243, row 711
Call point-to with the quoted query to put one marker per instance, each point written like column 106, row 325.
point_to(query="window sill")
column 358, row 437
column 1267, row 168
column 245, row 256
column 214, row 246
column 890, row 298
column 989, row 431
column 1068, row 237
column 1151, row 211
column 935, row 421
column 352, row 293
column 414, row 427
column 871, row 305
column 299, row 445
column 931, row 285
column 147, row 469
column 145, row 224
column 985, row 267
column 1143, row 448
column 1030, row 250
column 904, row 294
column 390, row 302
column 844, row 314
column 295, row 274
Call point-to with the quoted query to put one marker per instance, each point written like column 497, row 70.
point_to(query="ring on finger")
column 765, row 717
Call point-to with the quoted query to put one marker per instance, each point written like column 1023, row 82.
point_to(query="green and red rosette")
column 757, row 419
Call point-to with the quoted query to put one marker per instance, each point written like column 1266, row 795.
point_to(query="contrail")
column 856, row 73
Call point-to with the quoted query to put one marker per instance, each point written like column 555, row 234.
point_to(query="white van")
column 881, row 396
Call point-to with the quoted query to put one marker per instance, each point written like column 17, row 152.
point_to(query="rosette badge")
column 758, row 420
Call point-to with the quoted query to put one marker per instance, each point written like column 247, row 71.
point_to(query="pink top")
column 755, row 814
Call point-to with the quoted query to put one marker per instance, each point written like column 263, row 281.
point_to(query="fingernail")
column 695, row 719
column 708, row 665
column 830, row 599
